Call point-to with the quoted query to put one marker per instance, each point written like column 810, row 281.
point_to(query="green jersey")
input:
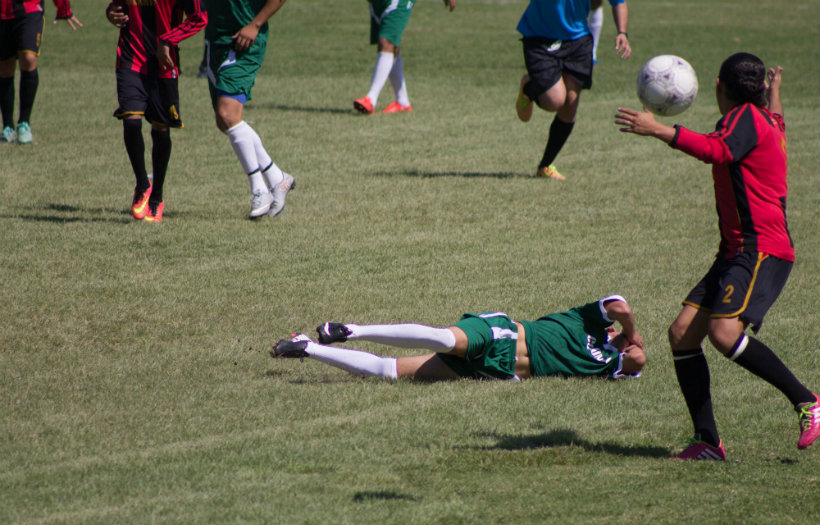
column 574, row 342
column 227, row 17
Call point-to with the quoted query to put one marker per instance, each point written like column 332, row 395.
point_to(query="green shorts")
column 491, row 341
column 233, row 72
column 388, row 18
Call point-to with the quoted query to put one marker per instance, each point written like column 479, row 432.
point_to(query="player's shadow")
column 306, row 109
column 65, row 213
column 568, row 438
column 439, row 174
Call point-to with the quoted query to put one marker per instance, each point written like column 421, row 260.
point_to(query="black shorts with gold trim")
column 745, row 286
column 157, row 99
column 24, row 33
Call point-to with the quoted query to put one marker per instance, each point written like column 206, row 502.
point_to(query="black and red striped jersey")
column 747, row 151
column 10, row 9
column 150, row 21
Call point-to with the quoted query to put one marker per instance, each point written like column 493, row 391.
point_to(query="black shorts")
column 744, row 287
column 24, row 33
column 157, row 99
column 547, row 59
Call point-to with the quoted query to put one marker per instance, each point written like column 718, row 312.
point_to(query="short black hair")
column 743, row 76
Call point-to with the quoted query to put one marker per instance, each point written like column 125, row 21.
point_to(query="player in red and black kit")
column 748, row 156
column 21, row 32
column 147, row 85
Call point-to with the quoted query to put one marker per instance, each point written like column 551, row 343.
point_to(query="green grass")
column 134, row 375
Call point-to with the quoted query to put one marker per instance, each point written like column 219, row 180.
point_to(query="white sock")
column 243, row 139
column 384, row 63
column 273, row 175
column 354, row 361
column 405, row 335
column 596, row 22
column 397, row 80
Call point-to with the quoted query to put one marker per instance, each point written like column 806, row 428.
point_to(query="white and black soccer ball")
column 667, row 85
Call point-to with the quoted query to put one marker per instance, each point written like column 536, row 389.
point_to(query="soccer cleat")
column 549, row 172
column 395, row 107
column 24, row 133
column 523, row 104
column 139, row 205
column 280, row 192
column 809, row 418
column 292, row 348
column 332, row 333
column 154, row 213
column 700, row 450
column 364, row 105
column 8, row 135
column 260, row 203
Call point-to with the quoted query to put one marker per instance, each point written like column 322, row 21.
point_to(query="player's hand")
column 774, row 78
column 622, row 46
column 635, row 339
column 451, row 4
column 245, row 37
column 638, row 122
column 116, row 15
column 166, row 63
column 73, row 22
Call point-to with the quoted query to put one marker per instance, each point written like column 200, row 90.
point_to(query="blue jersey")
column 558, row 19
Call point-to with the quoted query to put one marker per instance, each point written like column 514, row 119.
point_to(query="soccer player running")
column 21, row 32
column 558, row 56
column 235, row 43
column 388, row 19
column 580, row 341
column 748, row 156
column 147, row 86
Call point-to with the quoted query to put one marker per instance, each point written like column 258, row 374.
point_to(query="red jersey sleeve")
column 63, row 9
column 196, row 18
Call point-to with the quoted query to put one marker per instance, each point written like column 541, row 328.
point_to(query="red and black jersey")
column 150, row 21
column 748, row 154
column 10, row 9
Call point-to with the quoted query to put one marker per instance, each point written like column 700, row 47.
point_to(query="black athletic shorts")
column 157, row 99
column 24, row 33
column 745, row 286
column 547, row 59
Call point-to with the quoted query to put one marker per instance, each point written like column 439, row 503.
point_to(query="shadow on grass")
column 382, row 495
column 568, row 438
column 306, row 109
column 65, row 213
column 437, row 174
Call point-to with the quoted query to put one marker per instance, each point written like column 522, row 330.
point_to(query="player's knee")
column 675, row 334
column 28, row 61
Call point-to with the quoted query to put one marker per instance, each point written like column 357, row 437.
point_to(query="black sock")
column 135, row 146
column 7, row 101
column 29, row 80
column 693, row 377
column 760, row 360
column 559, row 133
column 160, row 155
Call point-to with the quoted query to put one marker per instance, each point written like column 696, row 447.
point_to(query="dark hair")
column 743, row 76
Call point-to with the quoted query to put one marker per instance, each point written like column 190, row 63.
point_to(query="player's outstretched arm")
column 643, row 123
column 773, row 81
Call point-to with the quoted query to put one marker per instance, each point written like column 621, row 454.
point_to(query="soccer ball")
column 667, row 85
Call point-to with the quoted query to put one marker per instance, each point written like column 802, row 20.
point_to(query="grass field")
column 135, row 381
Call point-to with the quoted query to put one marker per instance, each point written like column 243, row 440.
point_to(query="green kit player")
column 235, row 42
column 577, row 342
column 388, row 18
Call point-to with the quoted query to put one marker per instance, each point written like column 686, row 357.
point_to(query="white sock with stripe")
column 243, row 140
column 405, row 336
column 354, row 361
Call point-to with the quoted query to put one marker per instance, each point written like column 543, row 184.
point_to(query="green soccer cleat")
column 24, row 133
column 8, row 135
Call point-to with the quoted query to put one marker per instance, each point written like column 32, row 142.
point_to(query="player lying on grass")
column 748, row 156
column 490, row 345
